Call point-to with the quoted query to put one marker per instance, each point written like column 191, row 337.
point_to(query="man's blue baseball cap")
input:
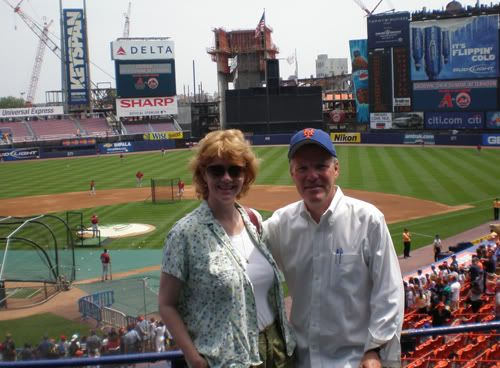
column 311, row 136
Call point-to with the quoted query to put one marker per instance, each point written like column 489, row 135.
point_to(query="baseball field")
column 430, row 190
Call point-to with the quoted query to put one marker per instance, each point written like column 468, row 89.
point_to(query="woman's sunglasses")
column 218, row 171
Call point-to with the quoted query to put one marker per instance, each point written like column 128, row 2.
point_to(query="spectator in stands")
column 74, row 346
column 142, row 328
column 159, row 336
column 111, row 345
column 476, row 270
column 9, row 353
column 220, row 290
column 47, row 348
column 131, row 340
column 27, row 353
column 440, row 315
column 94, row 344
column 454, row 293
column 437, row 248
column 474, row 296
column 343, row 275
column 62, row 346
column 454, row 263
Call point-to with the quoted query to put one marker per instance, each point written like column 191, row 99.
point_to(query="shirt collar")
column 328, row 214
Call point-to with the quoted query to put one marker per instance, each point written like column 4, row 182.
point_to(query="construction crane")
column 126, row 26
column 368, row 12
column 35, row 74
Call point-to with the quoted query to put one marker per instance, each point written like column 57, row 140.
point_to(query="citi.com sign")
column 146, row 106
column 142, row 49
column 491, row 139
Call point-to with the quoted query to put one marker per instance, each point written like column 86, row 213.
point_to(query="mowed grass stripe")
column 438, row 175
column 396, row 180
column 274, row 166
column 459, row 182
column 350, row 167
column 471, row 183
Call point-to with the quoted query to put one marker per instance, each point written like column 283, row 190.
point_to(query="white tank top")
column 259, row 272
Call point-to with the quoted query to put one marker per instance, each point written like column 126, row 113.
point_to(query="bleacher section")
column 136, row 128
column 95, row 127
column 151, row 126
column 19, row 129
column 163, row 127
column 54, row 129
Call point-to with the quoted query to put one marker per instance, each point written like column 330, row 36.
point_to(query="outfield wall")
column 35, row 151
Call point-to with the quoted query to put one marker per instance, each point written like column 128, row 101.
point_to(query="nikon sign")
column 345, row 137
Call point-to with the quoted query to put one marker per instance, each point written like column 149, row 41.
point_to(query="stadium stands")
column 19, row 129
column 95, row 127
column 54, row 129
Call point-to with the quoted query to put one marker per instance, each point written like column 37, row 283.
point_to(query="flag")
column 261, row 25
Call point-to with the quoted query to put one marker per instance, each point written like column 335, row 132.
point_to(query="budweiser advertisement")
column 146, row 106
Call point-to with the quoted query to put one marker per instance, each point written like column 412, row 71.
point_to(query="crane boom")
column 126, row 26
column 35, row 28
column 35, row 74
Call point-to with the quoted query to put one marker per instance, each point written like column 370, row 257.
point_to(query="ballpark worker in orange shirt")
column 406, row 243
column 496, row 208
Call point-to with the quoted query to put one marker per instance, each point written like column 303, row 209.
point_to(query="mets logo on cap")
column 308, row 133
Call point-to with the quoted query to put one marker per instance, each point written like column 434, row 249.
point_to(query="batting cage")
column 165, row 190
column 36, row 259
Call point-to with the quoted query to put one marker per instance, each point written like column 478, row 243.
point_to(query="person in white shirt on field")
column 340, row 266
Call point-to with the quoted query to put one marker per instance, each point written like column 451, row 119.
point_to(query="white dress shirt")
column 344, row 278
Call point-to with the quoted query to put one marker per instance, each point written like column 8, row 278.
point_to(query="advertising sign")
column 381, row 120
column 75, row 44
column 142, row 49
column 388, row 30
column 149, row 106
column 345, row 137
column 493, row 120
column 408, row 120
column 157, row 136
column 359, row 60
column 20, row 154
column 401, row 83
column 380, row 84
column 419, row 138
column 461, row 95
column 491, row 139
column 459, row 48
column 25, row 112
column 454, row 120
column 145, row 78
column 117, row 147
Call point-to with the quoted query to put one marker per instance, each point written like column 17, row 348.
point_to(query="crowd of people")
column 145, row 335
column 451, row 287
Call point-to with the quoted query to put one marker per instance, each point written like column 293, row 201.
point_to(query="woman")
column 220, row 290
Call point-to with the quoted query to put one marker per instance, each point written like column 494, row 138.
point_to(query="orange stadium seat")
column 442, row 364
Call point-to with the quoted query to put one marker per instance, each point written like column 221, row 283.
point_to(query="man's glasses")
column 218, row 171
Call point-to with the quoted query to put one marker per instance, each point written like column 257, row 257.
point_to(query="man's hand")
column 371, row 359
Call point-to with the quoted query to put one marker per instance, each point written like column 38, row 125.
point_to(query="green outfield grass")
column 452, row 176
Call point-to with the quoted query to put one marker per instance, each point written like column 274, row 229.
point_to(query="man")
column 496, row 209
column 138, row 177
column 406, row 243
column 105, row 261
column 339, row 264
column 180, row 186
column 437, row 248
column 94, row 220
column 92, row 187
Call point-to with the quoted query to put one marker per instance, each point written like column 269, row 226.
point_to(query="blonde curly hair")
column 229, row 145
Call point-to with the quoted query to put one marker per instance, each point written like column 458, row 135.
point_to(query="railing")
column 177, row 355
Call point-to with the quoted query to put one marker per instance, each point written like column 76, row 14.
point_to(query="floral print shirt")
column 216, row 302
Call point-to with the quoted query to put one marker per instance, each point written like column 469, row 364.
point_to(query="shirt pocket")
column 344, row 267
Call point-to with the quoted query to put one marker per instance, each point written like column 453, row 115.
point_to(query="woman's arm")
column 170, row 288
